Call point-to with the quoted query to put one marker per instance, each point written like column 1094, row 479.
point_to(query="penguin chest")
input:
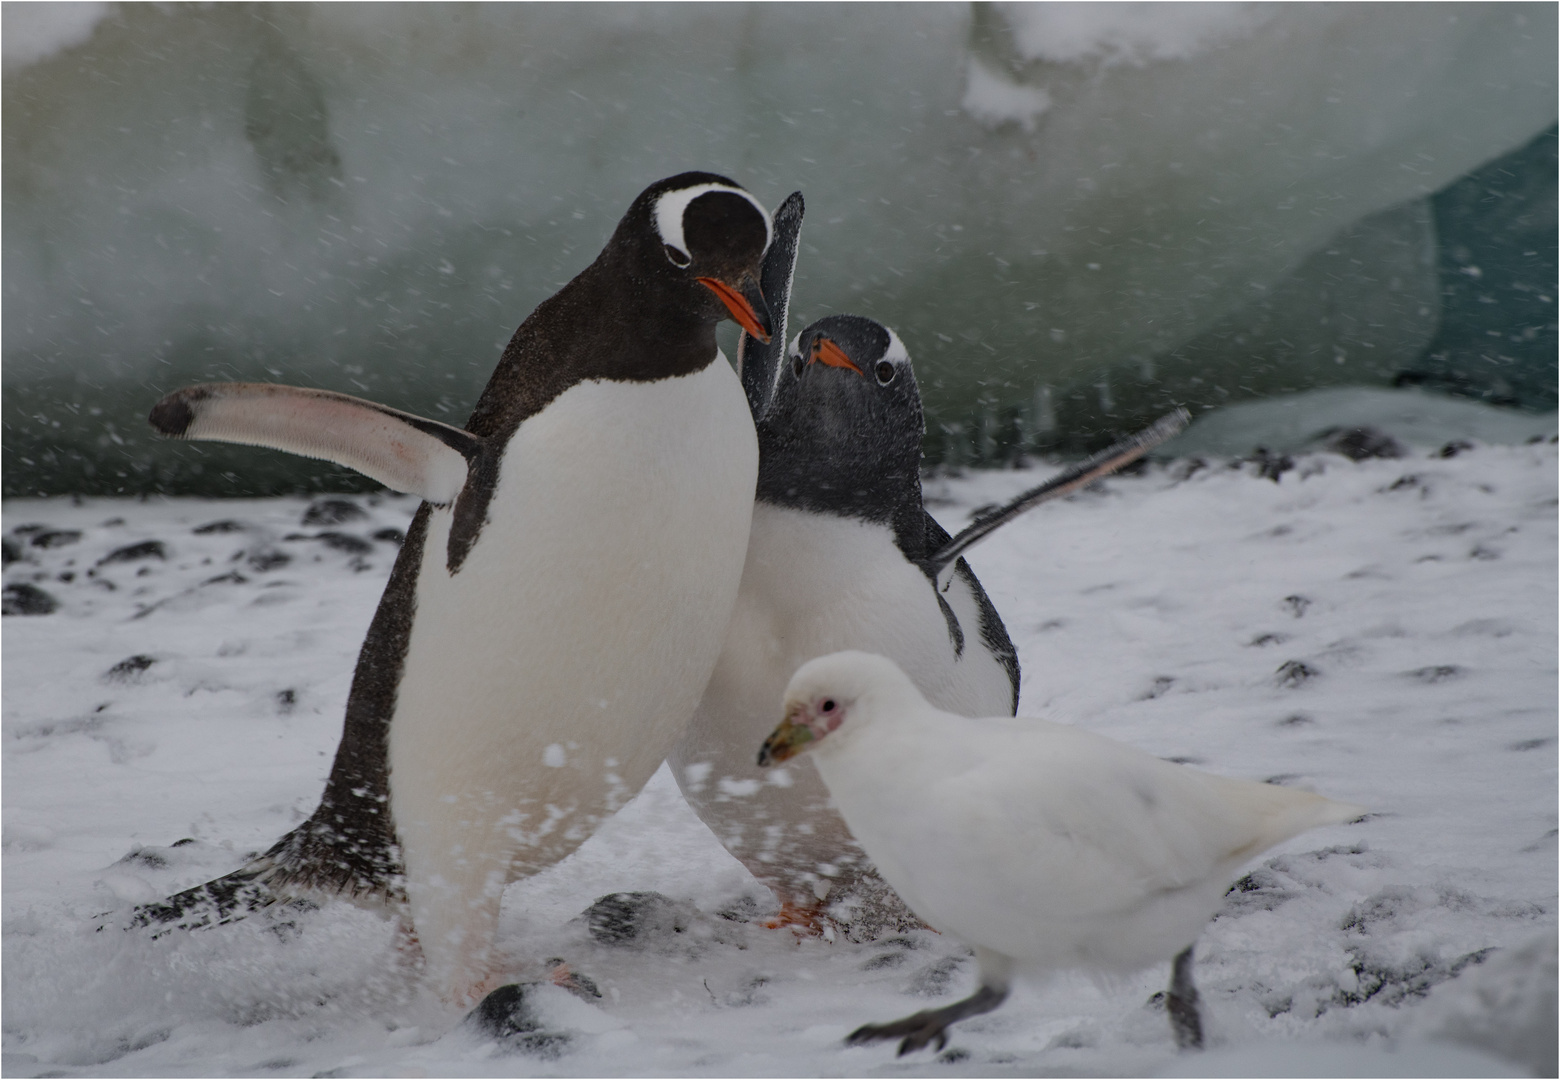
column 814, row 584
column 546, row 679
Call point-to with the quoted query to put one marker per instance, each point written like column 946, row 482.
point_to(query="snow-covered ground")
column 1381, row 631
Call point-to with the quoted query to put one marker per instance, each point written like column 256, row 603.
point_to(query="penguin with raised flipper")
column 560, row 598
column 842, row 554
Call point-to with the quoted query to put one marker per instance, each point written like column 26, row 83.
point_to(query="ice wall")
column 1073, row 214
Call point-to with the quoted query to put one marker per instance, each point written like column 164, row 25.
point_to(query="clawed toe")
column 919, row 1031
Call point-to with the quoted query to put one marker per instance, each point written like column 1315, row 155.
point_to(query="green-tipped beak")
column 785, row 742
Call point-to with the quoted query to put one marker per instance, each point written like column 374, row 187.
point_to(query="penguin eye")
column 827, row 706
column 677, row 258
column 797, row 364
column 885, row 372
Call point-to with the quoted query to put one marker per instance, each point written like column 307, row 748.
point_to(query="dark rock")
column 227, row 525
column 352, row 545
column 935, row 978
column 24, row 599
column 1455, row 447
column 1360, row 443
column 9, row 553
column 1437, row 673
column 147, row 857
column 625, row 918
column 333, row 512
column 261, row 561
column 56, row 538
column 390, row 536
column 1530, row 744
column 1271, row 466
column 130, row 667
column 507, row 1016
column 146, row 549
column 1297, row 604
column 1291, row 673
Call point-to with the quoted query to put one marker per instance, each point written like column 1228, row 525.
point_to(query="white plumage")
column 1031, row 841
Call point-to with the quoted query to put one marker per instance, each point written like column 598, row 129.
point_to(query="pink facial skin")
column 802, row 726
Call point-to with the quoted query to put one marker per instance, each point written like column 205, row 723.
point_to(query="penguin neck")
column 608, row 323
column 859, row 487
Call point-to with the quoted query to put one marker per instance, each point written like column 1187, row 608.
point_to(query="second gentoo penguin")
column 559, row 601
column 842, row 554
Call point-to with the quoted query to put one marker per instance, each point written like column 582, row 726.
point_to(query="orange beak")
column 741, row 308
column 826, row 352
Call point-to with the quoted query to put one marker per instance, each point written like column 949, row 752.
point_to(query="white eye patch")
column 896, row 353
column 669, row 210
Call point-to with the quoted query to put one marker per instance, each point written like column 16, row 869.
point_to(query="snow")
column 1382, row 631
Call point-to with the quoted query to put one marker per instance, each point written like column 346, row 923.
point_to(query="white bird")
column 1028, row 840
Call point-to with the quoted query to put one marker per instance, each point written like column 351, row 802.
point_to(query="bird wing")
column 1071, row 821
column 403, row 452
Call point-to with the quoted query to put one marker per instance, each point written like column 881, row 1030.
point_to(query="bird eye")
column 797, row 364
column 885, row 372
column 827, row 706
column 677, row 258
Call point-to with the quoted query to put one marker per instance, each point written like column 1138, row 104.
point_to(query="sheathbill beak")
column 786, row 741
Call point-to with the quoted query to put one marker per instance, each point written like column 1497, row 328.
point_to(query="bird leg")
column 1181, row 1003
column 927, row 1025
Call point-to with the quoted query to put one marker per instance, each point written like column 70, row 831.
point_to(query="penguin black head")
column 843, row 432
column 697, row 242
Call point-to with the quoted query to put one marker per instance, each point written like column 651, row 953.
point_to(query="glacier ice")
column 1071, row 213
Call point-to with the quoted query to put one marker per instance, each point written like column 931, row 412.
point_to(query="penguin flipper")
column 403, row 452
column 758, row 364
column 939, row 565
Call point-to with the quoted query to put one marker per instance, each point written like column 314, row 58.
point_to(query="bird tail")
column 1278, row 813
column 224, row 900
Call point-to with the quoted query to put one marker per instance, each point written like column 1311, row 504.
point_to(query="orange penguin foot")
column 572, row 981
column 805, row 920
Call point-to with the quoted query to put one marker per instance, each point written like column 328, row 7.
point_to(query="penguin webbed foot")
column 921, row 1029
column 807, row 920
column 581, row 986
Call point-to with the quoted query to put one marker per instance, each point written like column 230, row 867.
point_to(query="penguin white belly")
column 814, row 584
column 546, row 680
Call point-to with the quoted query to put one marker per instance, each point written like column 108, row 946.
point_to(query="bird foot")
column 804, row 920
column 918, row 1032
column 921, row 1029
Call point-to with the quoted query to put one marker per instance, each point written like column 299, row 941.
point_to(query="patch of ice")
column 1127, row 33
column 33, row 32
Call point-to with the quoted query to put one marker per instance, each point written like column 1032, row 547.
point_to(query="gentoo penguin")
column 1028, row 840
column 842, row 554
column 559, row 601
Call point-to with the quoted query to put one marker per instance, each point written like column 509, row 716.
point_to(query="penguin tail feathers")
column 226, row 899
column 300, row 869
